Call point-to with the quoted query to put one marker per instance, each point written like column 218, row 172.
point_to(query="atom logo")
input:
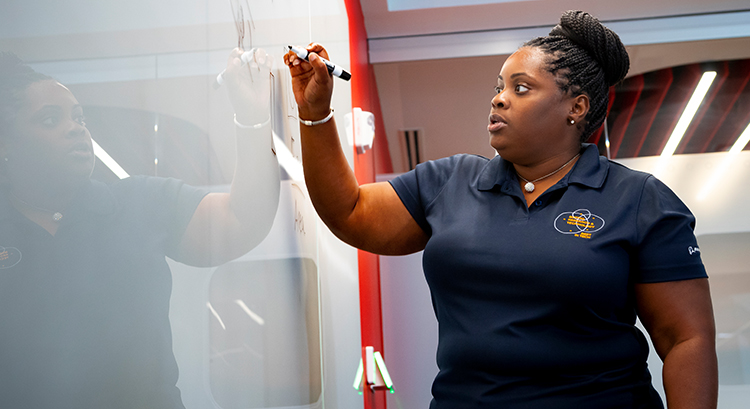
column 9, row 257
column 581, row 221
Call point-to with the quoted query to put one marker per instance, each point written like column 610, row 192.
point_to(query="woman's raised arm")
column 228, row 225
column 370, row 217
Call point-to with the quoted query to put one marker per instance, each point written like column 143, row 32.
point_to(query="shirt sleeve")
column 174, row 204
column 667, row 249
column 419, row 187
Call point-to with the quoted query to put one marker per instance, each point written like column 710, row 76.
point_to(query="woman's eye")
column 521, row 88
column 50, row 122
column 81, row 120
column 498, row 90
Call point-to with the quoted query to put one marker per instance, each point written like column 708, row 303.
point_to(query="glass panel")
column 182, row 271
column 264, row 338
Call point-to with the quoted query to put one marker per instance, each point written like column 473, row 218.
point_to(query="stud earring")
column 572, row 121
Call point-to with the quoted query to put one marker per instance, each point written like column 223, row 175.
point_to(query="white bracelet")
column 322, row 121
column 256, row 126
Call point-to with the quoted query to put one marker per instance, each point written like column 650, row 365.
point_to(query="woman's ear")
column 579, row 108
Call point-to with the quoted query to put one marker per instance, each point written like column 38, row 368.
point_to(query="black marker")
column 332, row 68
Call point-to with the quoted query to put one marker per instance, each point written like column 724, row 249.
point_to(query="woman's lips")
column 81, row 149
column 496, row 123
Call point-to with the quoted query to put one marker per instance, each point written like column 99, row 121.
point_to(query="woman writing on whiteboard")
column 539, row 260
column 84, row 284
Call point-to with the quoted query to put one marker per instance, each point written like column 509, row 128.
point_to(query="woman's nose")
column 76, row 128
column 498, row 101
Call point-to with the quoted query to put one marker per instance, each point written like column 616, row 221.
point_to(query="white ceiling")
column 382, row 23
column 499, row 27
column 400, row 5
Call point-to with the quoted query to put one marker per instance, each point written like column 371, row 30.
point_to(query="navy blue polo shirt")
column 84, row 313
column 535, row 304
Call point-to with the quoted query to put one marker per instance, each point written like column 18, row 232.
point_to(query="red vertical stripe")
column 620, row 124
column 674, row 101
column 365, row 96
column 651, row 103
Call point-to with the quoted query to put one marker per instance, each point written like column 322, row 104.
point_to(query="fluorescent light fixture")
column 108, row 161
column 716, row 177
column 687, row 115
column 255, row 317
column 216, row 315
column 742, row 141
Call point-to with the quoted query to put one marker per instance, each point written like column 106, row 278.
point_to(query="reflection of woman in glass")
column 84, row 284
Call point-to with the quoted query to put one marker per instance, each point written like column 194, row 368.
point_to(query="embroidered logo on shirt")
column 9, row 257
column 692, row 250
column 580, row 223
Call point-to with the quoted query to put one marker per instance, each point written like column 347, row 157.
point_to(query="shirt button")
column 538, row 203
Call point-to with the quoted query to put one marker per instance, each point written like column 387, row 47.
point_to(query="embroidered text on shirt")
column 9, row 257
column 580, row 223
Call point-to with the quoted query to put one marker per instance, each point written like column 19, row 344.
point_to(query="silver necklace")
column 529, row 186
column 56, row 216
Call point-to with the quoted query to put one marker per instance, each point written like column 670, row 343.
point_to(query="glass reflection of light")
column 216, row 315
column 291, row 165
column 108, row 161
column 255, row 317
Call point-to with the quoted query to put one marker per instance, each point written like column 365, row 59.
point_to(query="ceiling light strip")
column 687, row 115
column 726, row 162
column 742, row 141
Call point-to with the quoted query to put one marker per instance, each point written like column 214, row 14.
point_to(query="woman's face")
column 49, row 139
column 528, row 120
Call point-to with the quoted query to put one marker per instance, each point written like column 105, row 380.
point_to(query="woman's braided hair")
column 15, row 77
column 586, row 58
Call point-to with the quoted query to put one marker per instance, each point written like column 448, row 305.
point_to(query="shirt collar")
column 95, row 198
column 590, row 170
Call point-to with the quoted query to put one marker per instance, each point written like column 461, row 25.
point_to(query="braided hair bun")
column 15, row 77
column 587, row 58
column 601, row 43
